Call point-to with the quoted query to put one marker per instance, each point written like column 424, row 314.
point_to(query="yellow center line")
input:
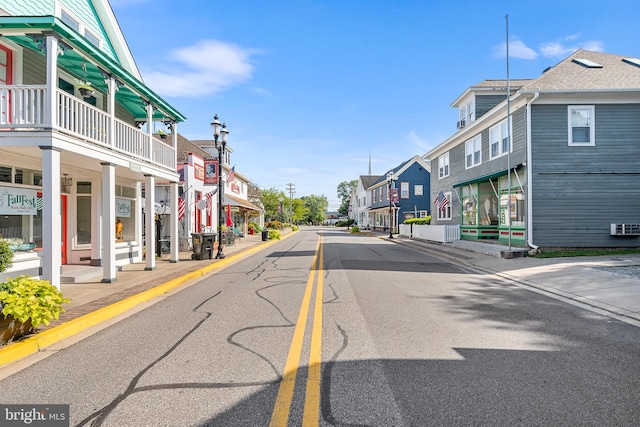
column 311, row 416
column 280, row 415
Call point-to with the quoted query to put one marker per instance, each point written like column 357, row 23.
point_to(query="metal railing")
column 24, row 107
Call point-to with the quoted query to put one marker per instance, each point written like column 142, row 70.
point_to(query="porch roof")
column 236, row 201
column 20, row 29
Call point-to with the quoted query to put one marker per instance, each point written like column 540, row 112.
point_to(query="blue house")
column 410, row 185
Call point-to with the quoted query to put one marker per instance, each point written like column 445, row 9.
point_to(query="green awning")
column 129, row 96
column 480, row 179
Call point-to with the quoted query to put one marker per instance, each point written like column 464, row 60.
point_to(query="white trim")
column 592, row 125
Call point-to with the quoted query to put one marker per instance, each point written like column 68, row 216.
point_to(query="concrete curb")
column 40, row 341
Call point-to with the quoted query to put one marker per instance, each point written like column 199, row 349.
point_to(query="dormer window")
column 466, row 115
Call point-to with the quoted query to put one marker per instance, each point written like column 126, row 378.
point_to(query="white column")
column 108, row 223
column 150, row 221
column 173, row 187
column 52, row 81
column 96, row 224
column 51, row 216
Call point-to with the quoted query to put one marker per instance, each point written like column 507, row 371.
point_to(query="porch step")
column 79, row 273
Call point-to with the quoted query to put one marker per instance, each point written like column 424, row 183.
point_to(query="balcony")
column 24, row 107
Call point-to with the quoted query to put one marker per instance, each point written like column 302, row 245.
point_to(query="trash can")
column 265, row 235
column 207, row 245
column 196, row 241
column 202, row 245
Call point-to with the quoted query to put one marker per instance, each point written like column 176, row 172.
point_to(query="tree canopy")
column 344, row 193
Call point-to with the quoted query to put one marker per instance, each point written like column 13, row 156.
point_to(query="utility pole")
column 291, row 188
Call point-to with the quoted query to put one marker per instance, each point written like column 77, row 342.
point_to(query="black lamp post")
column 390, row 178
column 220, row 134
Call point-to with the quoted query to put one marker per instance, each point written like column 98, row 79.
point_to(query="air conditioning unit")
column 461, row 124
column 625, row 229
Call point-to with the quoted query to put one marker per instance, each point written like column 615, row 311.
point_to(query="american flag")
column 441, row 201
column 209, row 206
column 232, row 174
column 181, row 208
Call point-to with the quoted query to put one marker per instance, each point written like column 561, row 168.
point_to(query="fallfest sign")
column 19, row 201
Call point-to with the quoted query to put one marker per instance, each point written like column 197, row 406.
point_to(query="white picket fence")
column 434, row 233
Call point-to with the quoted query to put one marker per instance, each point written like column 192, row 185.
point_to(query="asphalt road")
column 406, row 340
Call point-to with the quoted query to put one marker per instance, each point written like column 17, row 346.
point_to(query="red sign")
column 210, row 172
column 394, row 195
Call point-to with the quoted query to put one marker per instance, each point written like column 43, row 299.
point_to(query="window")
column 499, row 139
column 443, row 165
column 418, row 190
column 581, row 125
column 83, row 213
column 473, row 152
column 404, row 190
column 444, row 214
column 467, row 113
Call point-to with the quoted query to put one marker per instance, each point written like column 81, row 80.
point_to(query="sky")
column 314, row 91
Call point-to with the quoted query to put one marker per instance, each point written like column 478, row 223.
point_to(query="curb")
column 16, row 351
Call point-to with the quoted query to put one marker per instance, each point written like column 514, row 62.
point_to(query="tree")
column 300, row 211
column 270, row 201
column 316, row 206
column 345, row 188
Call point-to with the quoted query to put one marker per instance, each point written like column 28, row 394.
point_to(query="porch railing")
column 24, row 107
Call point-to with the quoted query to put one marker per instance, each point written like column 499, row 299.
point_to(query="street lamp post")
column 220, row 134
column 390, row 179
column 281, row 199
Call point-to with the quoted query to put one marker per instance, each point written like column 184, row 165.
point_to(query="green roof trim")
column 101, row 59
column 480, row 179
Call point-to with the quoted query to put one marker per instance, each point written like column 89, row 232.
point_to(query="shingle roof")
column 368, row 180
column 570, row 75
column 185, row 147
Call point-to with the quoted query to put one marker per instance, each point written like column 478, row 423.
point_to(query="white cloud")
column 567, row 45
column 517, row 49
column 205, row 68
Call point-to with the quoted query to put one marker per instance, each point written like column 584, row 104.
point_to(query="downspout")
column 530, row 177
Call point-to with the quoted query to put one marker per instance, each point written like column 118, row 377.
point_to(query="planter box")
column 10, row 329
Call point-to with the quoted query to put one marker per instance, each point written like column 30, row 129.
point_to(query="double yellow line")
column 282, row 407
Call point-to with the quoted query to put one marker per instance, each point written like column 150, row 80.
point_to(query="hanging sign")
column 123, row 208
column 210, row 172
column 18, row 201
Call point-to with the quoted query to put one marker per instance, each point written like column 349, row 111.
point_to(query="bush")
column 274, row 235
column 27, row 298
column 255, row 227
column 355, row 229
column 6, row 255
column 294, row 228
column 275, row 225
column 346, row 223
column 419, row 221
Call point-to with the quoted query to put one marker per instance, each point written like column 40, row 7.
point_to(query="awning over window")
column 236, row 201
column 483, row 178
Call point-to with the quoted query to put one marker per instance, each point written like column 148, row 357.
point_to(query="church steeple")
column 369, row 162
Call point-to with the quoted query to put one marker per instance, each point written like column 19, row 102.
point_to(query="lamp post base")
column 220, row 254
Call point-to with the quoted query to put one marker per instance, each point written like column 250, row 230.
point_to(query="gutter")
column 530, row 176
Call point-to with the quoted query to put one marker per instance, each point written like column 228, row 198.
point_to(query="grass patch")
column 569, row 252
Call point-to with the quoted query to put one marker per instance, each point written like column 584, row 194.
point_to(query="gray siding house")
column 570, row 176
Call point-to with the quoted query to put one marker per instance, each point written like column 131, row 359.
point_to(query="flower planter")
column 86, row 93
column 10, row 329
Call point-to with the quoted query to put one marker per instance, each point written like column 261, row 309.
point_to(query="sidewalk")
column 609, row 283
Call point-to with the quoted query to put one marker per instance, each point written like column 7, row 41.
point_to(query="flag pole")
column 508, row 134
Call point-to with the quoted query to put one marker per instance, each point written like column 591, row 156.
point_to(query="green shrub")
column 355, row 229
column 420, row 221
column 6, row 255
column 276, row 225
column 294, row 228
column 27, row 298
column 255, row 227
column 274, row 235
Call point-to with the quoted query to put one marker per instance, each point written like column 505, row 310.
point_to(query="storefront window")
column 83, row 213
column 488, row 204
column 469, row 195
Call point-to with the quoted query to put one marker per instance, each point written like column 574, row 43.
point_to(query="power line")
column 291, row 188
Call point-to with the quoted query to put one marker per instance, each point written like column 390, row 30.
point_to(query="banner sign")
column 123, row 208
column 198, row 172
column 210, row 172
column 394, row 195
column 18, row 201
